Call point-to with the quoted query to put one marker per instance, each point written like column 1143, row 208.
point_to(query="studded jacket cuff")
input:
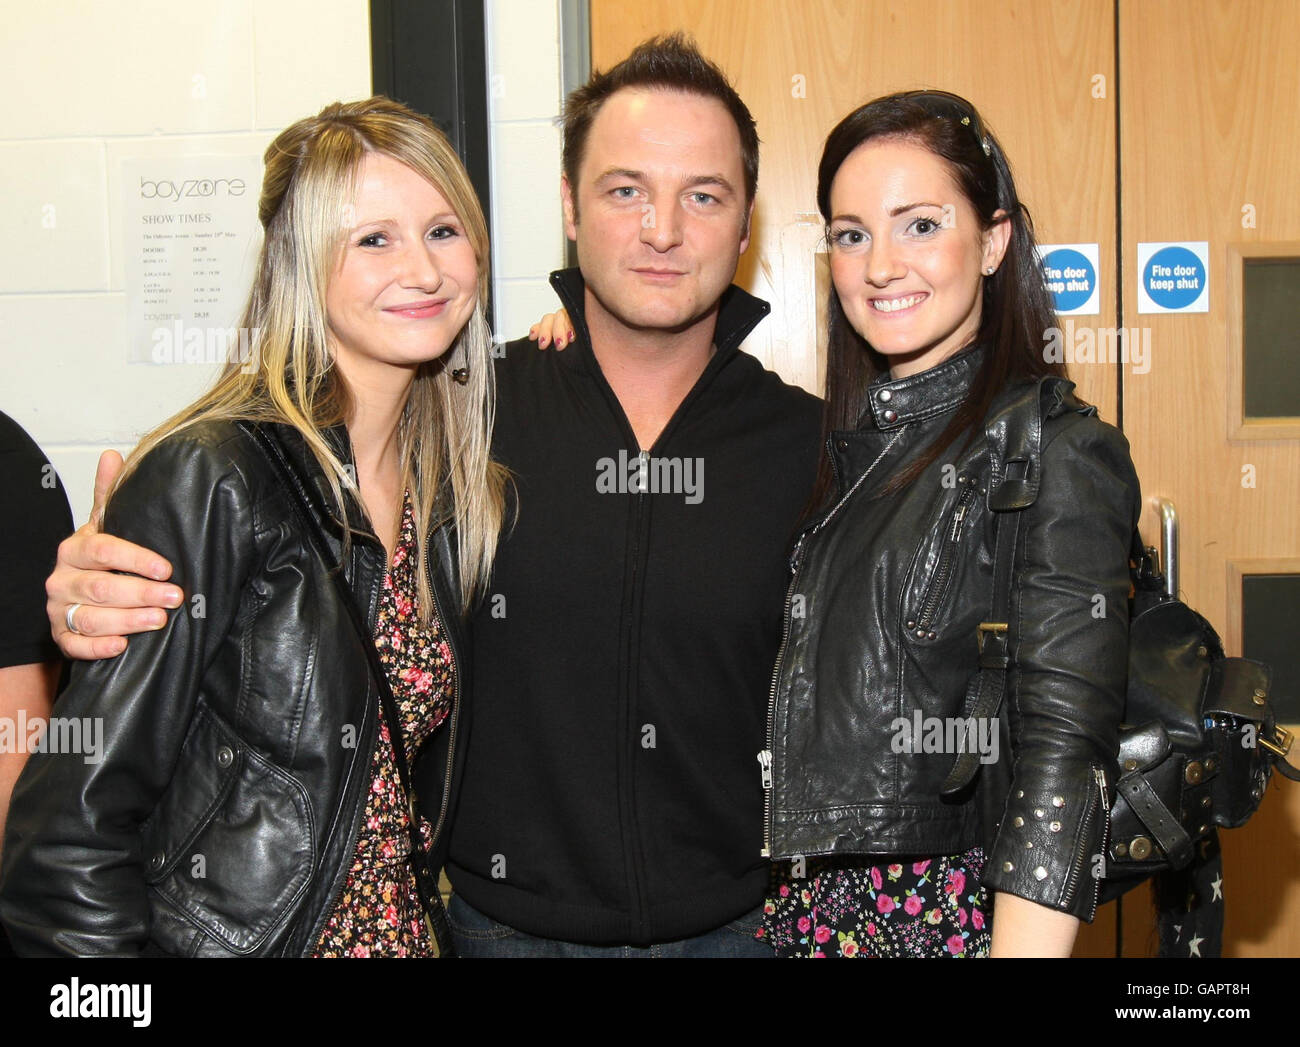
column 1049, row 844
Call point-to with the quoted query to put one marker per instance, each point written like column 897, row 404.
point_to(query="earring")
column 989, row 270
column 460, row 375
column 476, row 333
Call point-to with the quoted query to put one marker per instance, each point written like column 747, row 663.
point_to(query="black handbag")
column 1198, row 740
column 426, row 881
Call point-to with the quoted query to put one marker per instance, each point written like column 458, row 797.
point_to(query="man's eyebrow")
column 621, row 172
column 639, row 176
column 712, row 179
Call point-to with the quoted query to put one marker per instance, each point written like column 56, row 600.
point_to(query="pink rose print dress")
column 378, row 912
column 848, row 906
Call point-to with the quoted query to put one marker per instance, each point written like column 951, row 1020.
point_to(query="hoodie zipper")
column 796, row 559
column 724, row 348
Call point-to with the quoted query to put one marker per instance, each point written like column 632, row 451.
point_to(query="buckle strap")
column 1278, row 741
column 1159, row 820
column 994, row 649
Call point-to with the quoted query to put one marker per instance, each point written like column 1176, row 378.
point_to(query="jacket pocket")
column 925, row 611
column 230, row 847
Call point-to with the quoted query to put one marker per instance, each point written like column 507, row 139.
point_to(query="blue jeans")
column 477, row 935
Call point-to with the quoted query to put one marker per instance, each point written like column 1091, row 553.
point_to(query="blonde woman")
column 329, row 509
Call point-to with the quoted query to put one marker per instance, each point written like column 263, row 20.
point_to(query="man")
column 38, row 519
column 612, row 800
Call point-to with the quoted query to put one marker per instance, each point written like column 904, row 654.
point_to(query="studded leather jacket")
column 220, row 815
column 888, row 590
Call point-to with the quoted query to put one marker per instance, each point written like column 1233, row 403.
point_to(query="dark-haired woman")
column 938, row 319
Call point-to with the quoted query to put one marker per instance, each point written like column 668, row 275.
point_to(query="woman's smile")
column 898, row 304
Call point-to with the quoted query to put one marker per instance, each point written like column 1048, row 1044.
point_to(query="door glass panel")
column 1270, row 610
column 1271, row 337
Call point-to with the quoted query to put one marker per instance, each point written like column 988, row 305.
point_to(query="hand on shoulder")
column 106, row 606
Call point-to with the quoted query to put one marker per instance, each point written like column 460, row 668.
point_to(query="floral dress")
column 378, row 912
column 847, row 906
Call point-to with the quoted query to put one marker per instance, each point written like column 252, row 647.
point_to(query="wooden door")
column 1210, row 150
column 1195, row 102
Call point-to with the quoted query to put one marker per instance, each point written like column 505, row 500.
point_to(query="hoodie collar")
column 738, row 314
column 936, row 391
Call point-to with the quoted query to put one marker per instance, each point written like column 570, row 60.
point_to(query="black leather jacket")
column 221, row 815
column 883, row 610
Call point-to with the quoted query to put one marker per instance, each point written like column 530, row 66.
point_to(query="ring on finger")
column 70, row 618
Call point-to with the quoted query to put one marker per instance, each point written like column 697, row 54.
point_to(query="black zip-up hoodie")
column 623, row 653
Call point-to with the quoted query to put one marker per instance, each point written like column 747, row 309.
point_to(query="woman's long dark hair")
column 1017, row 309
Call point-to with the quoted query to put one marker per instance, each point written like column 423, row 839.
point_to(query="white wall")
column 524, row 70
column 85, row 83
column 88, row 82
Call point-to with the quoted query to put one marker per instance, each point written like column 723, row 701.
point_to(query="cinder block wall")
column 88, row 82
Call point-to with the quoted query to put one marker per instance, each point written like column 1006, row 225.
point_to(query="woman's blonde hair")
column 445, row 432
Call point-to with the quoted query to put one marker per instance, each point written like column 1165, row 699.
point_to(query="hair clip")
column 984, row 140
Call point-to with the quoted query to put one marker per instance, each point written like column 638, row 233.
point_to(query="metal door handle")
column 1168, row 542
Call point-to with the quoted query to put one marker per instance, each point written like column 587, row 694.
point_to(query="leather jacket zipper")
column 765, row 757
column 1096, row 800
column 796, row 558
column 354, row 806
column 947, row 558
column 455, row 699
column 353, row 803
